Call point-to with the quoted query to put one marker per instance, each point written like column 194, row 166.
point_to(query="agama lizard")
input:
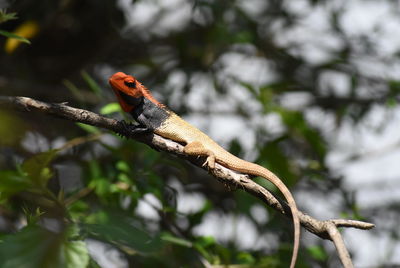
column 155, row 117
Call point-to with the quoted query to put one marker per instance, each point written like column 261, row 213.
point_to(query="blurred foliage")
column 65, row 185
column 21, row 34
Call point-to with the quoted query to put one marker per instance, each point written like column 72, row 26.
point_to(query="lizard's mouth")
column 129, row 99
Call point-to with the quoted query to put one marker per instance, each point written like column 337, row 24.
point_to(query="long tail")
column 257, row 170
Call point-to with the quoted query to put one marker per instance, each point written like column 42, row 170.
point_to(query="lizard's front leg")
column 197, row 149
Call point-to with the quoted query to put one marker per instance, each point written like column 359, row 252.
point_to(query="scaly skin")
column 153, row 116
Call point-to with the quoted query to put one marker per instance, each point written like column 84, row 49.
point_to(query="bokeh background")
column 308, row 88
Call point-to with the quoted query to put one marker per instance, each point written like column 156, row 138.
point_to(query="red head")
column 126, row 84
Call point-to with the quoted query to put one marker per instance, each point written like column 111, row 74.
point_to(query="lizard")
column 153, row 116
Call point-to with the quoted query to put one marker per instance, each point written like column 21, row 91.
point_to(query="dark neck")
column 149, row 114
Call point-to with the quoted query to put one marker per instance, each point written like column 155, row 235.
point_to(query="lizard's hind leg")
column 196, row 148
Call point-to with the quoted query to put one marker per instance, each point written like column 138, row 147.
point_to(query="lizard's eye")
column 130, row 84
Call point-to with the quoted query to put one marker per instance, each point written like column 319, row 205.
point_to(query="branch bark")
column 327, row 229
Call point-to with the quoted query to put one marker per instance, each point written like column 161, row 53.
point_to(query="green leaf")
column 202, row 244
column 32, row 175
column 272, row 157
column 318, row 253
column 391, row 102
column 7, row 16
column 34, row 216
column 26, row 248
column 12, row 128
column 123, row 166
column 243, row 37
column 88, row 128
column 110, row 108
column 118, row 230
column 14, row 36
column 95, row 169
column 37, row 167
column 12, row 182
column 176, row 240
column 91, row 83
column 101, row 186
column 246, row 258
column 76, row 254
column 36, row 247
column 205, row 241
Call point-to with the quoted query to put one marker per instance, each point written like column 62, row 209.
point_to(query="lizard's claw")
column 125, row 129
column 210, row 162
column 197, row 149
column 131, row 129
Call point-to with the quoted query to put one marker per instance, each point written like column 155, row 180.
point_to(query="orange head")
column 128, row 87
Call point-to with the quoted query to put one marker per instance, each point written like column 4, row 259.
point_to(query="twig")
column 324, row 229
column 339, row 244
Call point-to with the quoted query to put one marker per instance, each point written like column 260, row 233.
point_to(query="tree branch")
column 324, row 229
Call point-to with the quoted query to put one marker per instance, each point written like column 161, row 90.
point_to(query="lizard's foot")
column 197, row 149
column 130, row 129
column 125, row 129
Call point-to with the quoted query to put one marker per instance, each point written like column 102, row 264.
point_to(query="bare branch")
column 325, row 229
